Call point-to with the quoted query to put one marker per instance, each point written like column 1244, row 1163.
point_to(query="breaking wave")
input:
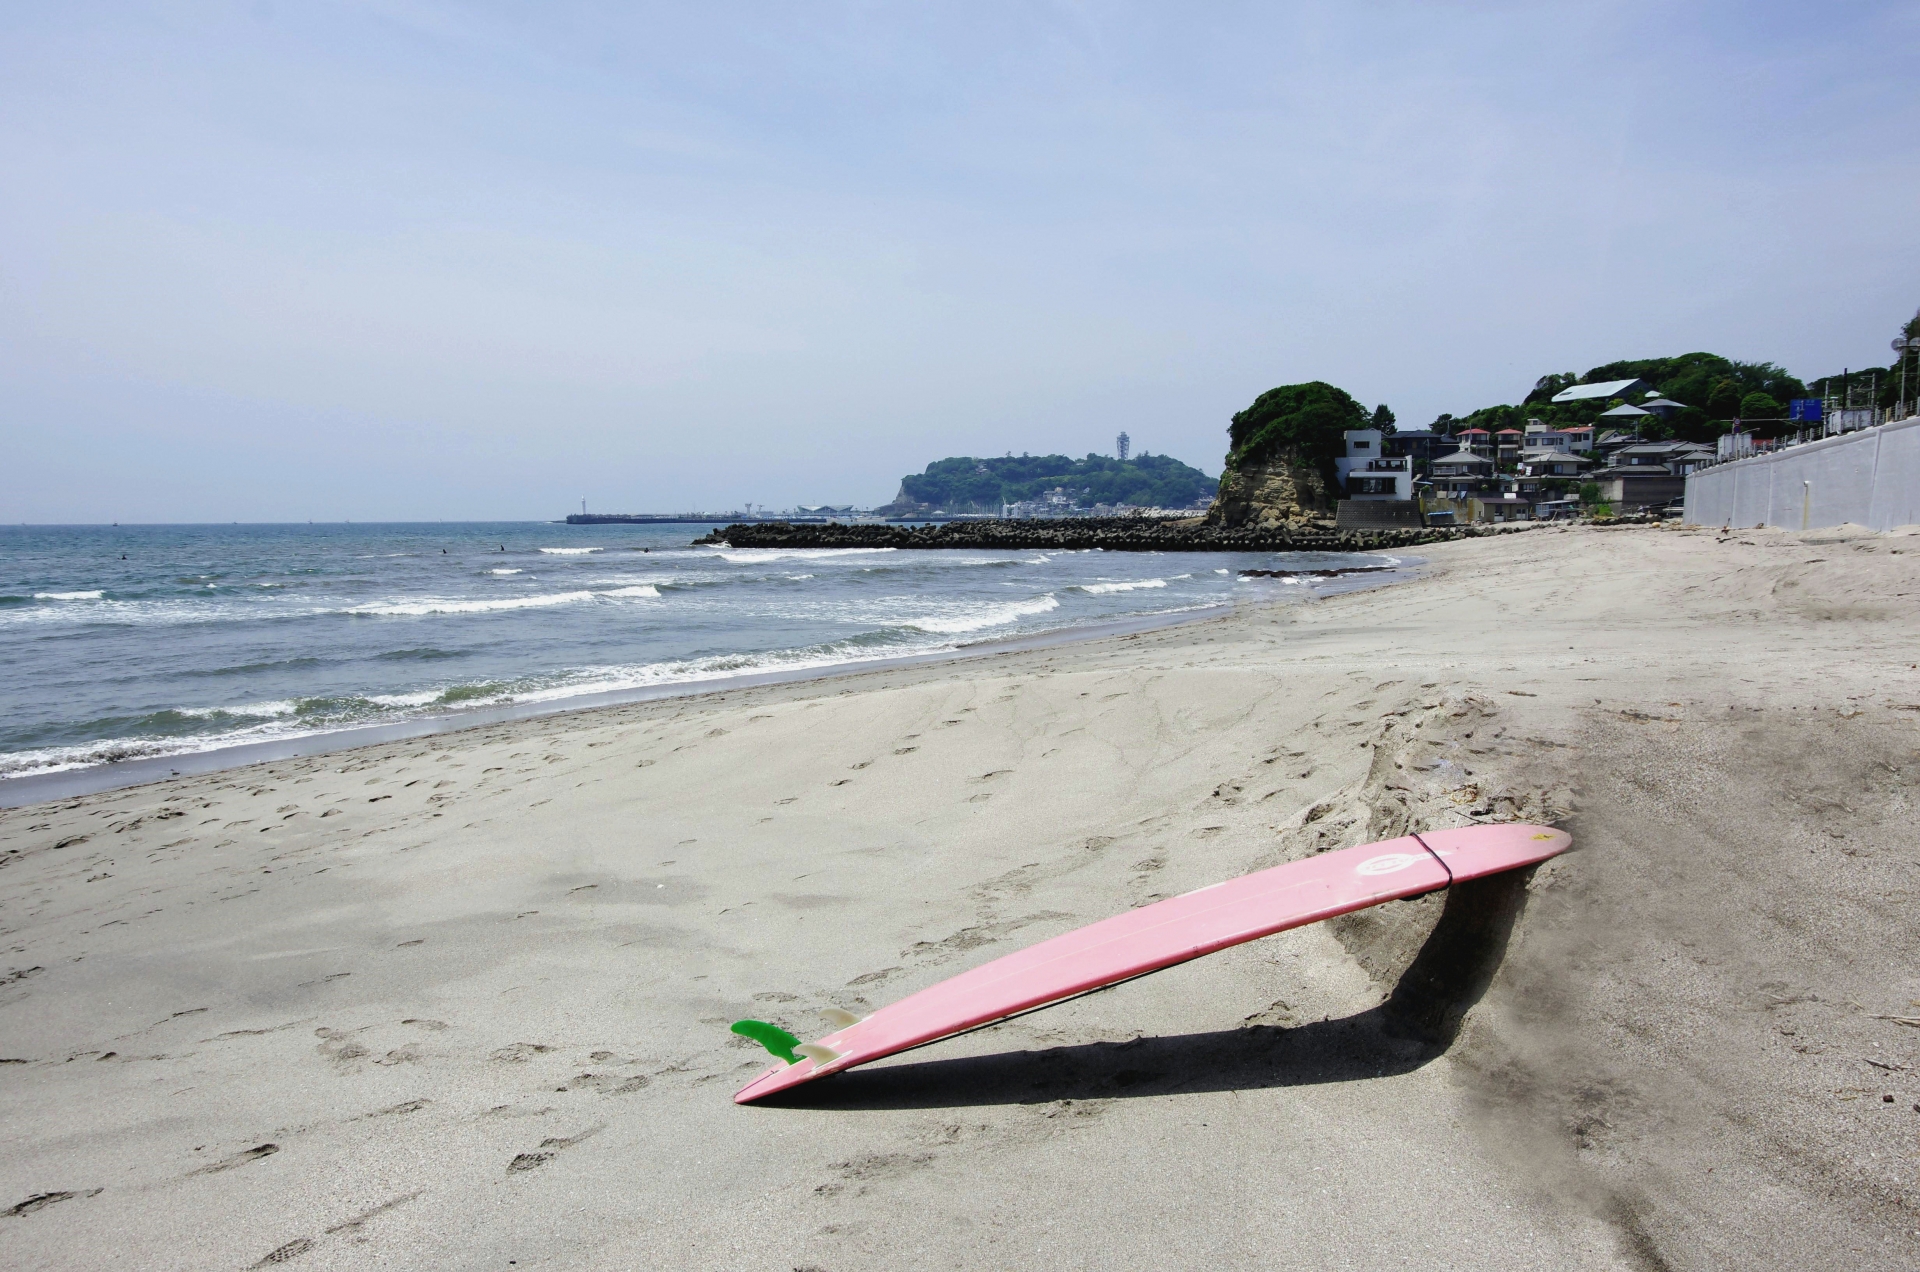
column 748, row 556
column 980, row 620
column 415, row 609
column 1102, row 589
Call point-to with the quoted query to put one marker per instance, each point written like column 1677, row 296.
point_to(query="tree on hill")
column 1280, row 462
column 1693, row 378
column 967, row 484
column 1303, row 422
column 1710, row 388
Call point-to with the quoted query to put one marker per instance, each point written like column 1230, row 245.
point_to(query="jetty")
column 1116, row 534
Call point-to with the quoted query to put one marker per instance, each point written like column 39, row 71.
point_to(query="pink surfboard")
column 1169, row 932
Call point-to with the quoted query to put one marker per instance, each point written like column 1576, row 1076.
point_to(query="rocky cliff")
column 1277, row 492
column 1279, row 469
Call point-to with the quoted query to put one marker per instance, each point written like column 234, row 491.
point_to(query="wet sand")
column 462, row 1001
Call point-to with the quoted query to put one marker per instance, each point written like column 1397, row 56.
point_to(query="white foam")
column 1099, row 589
column 715, row 667
column 749, row 556
column 642, row 589
column 258, row 710
column 414, row 609
column 997, row 616
column 70, row 596
column 503, row 571
column 405, row 699
column 570, row 551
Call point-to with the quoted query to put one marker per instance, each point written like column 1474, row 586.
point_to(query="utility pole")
column 1900, row 346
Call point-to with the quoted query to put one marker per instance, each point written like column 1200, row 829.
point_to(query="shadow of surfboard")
column 1415, row 1025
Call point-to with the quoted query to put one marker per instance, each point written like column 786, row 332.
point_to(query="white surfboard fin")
column 817, row 1053
column 838, row 1017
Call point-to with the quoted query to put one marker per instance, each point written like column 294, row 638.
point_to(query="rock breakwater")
column 1117, row 534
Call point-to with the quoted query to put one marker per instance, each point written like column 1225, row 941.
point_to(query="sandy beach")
column 463, row 1001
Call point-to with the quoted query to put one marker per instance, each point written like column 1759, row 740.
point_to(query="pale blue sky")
column 403, row 259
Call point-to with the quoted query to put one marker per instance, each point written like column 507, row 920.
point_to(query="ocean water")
column 134, row 641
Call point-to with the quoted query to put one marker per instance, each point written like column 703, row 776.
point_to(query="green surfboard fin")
column 772, row 1037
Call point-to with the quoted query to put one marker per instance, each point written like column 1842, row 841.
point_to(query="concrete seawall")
column 1870, row 478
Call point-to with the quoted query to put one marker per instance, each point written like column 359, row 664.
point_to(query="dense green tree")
column 1694, row 425
column 1711, row 389
column 1692, row 377
column 1708, row 387
column 1303, row 421
column 1705, row 380
column 966, row 484
column 1723, row 399
column 1547, row 385
column 1383, row 418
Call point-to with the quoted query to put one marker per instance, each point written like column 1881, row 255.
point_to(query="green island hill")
column 966, row 484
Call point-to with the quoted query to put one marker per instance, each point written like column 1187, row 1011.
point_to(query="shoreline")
column 113, row 775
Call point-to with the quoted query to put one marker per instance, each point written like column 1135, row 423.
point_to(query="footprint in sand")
column 519, row 1052
column 548, row 1150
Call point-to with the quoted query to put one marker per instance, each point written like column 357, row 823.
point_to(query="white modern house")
column 1368, row 473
